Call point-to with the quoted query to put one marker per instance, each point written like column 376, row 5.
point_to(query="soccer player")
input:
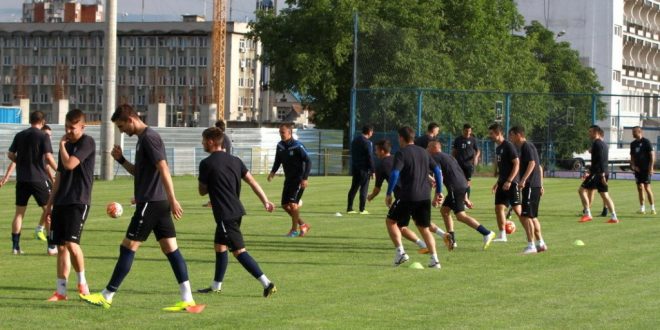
column 456, row 184
column 432, row 131
column 383, row 171
column 411, row 167
column 292, row 155
column 597, row 178
column 362, row 167
column 28, row 150
column 467, row 153
column 506, row 187
column 220, row 177
column 531, row 181
column 642, row 160
column 226, row 145
column 154, row 193
column 68, row 205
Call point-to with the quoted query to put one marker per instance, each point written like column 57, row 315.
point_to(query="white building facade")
column 620, row 39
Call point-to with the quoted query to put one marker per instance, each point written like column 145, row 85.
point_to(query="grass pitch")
column 341, row 276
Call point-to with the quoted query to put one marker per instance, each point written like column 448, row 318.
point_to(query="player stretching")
column 411, row 167
column 457, row 185
column 531, row 181
column 28, row 150
column 156, row 203
column 597, row 178
column 292, row 155
column 467, row 153
column 68, row 205
column 642, row 160
column 383, row 171
column 506, row 187
column 220, row 177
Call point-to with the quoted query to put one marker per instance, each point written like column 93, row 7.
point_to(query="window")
column 616, row 75
column 142, row 60
column 182, row 61
column 6, row 60
column 141, row 100
column 241, row 43
column 241, row 82
column 282, row 112
column 618, row 30
column 6, row 97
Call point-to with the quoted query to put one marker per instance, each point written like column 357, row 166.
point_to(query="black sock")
column 482, row 230
column 249, row 264
column 178, row 266
column 221, row 260
column 15, row 239
column 468, row 190
column 122, row 268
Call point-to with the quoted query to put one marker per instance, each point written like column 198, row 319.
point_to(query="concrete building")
column 61, row 11
column 620, row 39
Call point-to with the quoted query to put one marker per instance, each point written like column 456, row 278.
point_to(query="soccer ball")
column 114, row 210
column 510, row 227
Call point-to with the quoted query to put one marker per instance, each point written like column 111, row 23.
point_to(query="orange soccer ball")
column 510, row 227
column 114, row 210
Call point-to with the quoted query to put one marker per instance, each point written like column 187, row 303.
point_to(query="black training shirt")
column 414, row 164
column 506, row 153
column 383, row 172
column 528, row 153
column 362, row 154
column 599, row 157
column 466, row 148
column 642, row 150
column 291, row 154
column 452, row 175
column 149, row 151
column 30, row 146
column 222, row 174
column 76, row 185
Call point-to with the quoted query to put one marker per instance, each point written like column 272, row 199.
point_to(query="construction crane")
column 218, row 56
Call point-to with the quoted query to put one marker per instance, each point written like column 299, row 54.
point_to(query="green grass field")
column 341, row 275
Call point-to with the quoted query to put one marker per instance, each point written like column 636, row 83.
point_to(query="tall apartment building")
column 620, row 39
column 157, row 62
column 62, row 11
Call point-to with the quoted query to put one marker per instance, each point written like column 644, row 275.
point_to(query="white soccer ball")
column 114, row 210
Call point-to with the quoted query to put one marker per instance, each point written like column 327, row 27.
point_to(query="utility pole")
column 109, row 91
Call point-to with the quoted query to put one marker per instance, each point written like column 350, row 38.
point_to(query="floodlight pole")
column 351, row 133
column 109, row 90
column 507, row 112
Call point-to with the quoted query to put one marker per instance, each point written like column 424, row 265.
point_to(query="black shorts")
column 67, row 223
column 509, row 197
column 455, row 199
column 531, row 198
column 596, row 181
column 40, row 191
column 642, row 177
column 420, row 211
column 156, row 216
column 468, row 170
column 228, row 232
column 292, row 192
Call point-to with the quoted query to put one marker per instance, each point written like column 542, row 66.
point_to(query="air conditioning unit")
column 241, row 49
column 131, row 48
column 242, row 64
column 130, row 68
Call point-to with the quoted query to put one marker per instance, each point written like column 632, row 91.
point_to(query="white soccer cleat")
column 400, row 258
column 434, row 264
column 530, row 250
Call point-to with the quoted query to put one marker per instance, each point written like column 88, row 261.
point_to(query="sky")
column 154, row 10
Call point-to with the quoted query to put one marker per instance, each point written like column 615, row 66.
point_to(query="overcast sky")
column 154, row 10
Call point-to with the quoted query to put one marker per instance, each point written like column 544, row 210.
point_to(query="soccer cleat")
column 654, row 212
column 207, row 204
column 17, row 251
column 541, row 248
column 269, row 290
column 365, row 212
column 40, row 235
column 400, row 258
column 529, row 250
column 423, row 251
column 585, row 218
column 57, row 297
column 304, row 229
column 488, row 239
column 500, row 239
column 434, row 264
column 209, row 290
column 641, row 212
column 292, row 233
column 449, row 241
column 352, row 212
column 180, row 306
column 83, row 289
column 51, row 250
column 97, row 299
column 613, row 221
